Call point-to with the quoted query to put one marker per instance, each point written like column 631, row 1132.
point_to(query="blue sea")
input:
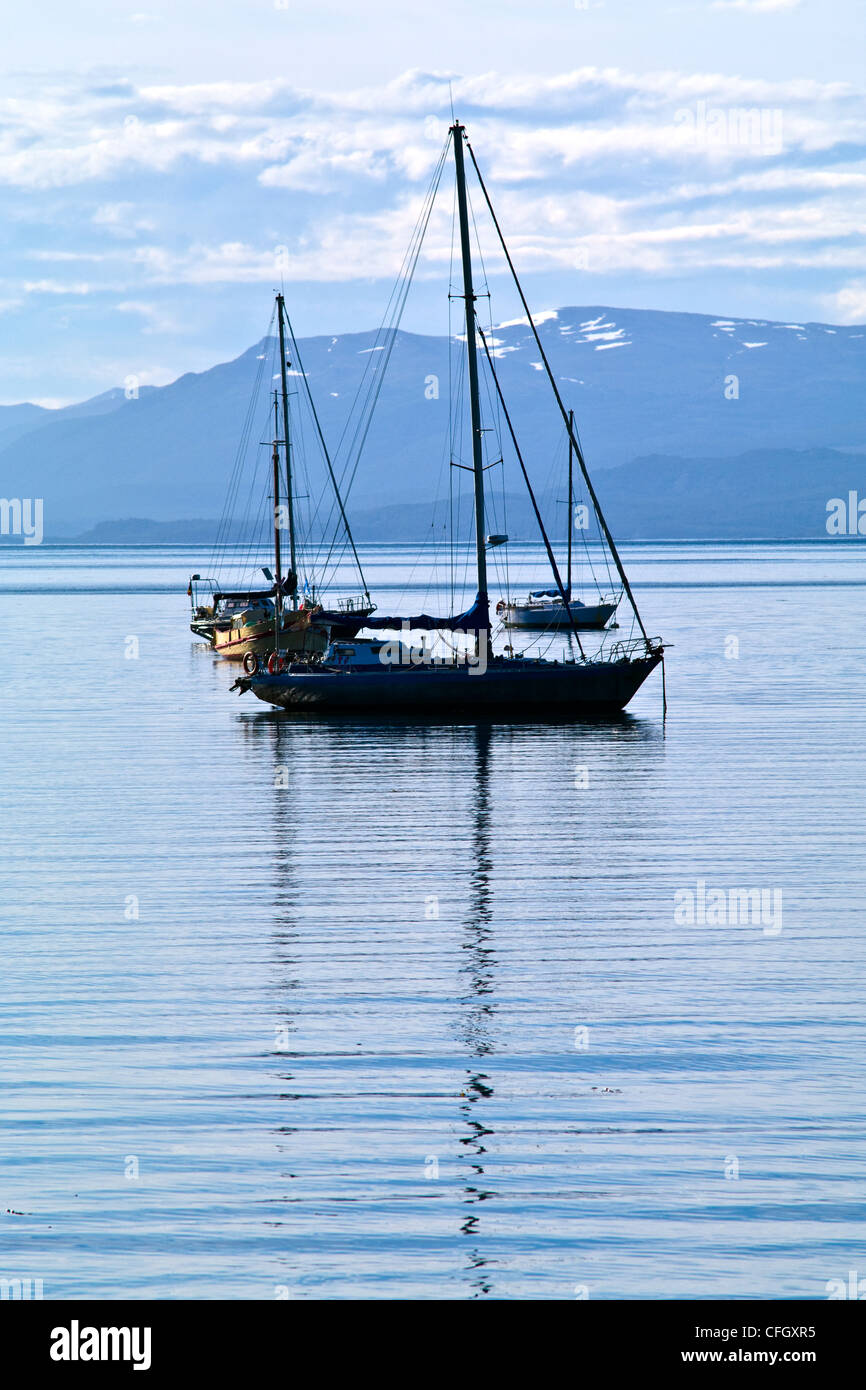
column 299, row 1007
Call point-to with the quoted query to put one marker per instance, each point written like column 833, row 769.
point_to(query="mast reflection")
column 478, row 1009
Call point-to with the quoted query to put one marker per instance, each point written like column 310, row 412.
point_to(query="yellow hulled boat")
column 253, row 630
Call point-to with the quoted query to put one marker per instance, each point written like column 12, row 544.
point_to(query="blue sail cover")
column 475, row 619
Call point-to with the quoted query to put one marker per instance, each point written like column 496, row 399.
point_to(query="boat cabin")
column 364, row 652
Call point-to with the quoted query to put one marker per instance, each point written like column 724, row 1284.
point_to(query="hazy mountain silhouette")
column 705, row 422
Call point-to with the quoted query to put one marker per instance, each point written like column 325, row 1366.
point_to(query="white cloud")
column 590, row 169
column 80, row 287
column 318, row 168
column 156, row 320
column 848, row 305
column 121, row 220
column 538, row 126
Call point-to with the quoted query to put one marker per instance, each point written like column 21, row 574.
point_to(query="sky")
column 164, row 170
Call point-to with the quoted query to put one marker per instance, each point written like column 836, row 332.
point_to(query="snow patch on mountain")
column 543, row 317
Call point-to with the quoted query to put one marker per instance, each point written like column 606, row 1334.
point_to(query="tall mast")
column 570, row 496
column 278, row 568
column 290, row 509
column 472, row 360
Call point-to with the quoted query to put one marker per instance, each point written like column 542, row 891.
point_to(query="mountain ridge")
column 644, row 384
column 636, row 497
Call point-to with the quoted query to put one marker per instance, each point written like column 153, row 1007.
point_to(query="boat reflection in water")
column 399, row 1052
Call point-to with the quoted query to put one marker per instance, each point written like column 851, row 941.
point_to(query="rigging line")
column 263, row 512
column 557, row 458
column 379, row 379
column 398, row 297
column 221, row 538
column 318, row 491
column 458, row 421
column 494, row 402
column 331, row 474
column 393, row 311
column 247, row 533
column 585, row 555
column 440, row 545
column 249, row 416
column 451, row 536
column 380, row 375
column 598, row 528
column 439, row 541
column 493, row 407
column 255, row 523
column 578, row 451
column 550, row 555
column 484, row 280
column 451, row 416
column 408, row 582
column 588, row 553
column 251, row 518
column 258, row 515
column 318, row 496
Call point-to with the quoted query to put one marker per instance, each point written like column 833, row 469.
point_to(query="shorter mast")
column 570, row 497
column 544, row 536
column 290, row 509
column 278, row 571
column 571, row 434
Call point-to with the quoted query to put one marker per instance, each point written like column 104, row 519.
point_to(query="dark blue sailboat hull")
column 508, row 687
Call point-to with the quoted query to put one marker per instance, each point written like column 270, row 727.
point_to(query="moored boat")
column 545, row 609
column 249, row 621
column 364, row 678
column 256, row 628
column 548, row 610
column 390, row 677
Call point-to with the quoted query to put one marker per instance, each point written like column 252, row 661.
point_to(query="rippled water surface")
column 338, row 1008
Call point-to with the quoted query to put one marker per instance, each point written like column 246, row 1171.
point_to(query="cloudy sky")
column 162, row 170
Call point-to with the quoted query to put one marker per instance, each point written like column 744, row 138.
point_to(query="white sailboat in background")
column 549, row 608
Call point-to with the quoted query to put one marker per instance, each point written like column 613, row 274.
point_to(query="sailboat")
column 391, row 676
column 544, row 609
column 243, row 624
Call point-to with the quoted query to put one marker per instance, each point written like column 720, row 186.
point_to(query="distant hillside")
column 146, row 531
column 678, row 392
column 771, row 493
column 778, row 493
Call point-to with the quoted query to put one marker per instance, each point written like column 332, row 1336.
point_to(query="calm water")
column 343, row 1009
